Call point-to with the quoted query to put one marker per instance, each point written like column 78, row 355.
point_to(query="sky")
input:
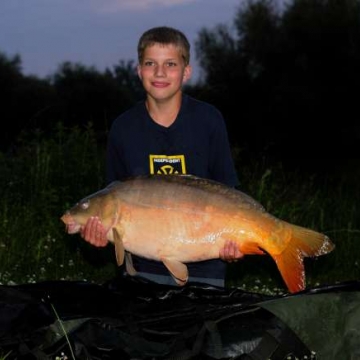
column 99, row 33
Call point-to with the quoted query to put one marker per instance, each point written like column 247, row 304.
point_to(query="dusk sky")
column 98, row 33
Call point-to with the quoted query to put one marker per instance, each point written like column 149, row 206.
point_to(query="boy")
column 169, row 133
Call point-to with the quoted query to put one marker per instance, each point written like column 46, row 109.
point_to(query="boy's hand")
column 230, row 252
column 94, row 232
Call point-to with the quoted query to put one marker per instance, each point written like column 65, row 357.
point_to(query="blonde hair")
column 164, row 35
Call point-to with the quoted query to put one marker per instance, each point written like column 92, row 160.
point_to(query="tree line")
column 285, row 79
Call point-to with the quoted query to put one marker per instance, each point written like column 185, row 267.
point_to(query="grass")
column 44, row 174
column 41, row 178
column 326, row 203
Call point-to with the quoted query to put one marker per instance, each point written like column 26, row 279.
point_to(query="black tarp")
column 128, row 318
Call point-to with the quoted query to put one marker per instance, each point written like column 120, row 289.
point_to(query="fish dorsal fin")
column 178, row 270
column 119, row 247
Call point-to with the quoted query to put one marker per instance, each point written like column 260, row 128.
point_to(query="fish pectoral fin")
column 251, row 248
column 129, row 264
column 119, row 247
column 178, row 271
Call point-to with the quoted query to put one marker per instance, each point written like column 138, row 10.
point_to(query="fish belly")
column 186, row 234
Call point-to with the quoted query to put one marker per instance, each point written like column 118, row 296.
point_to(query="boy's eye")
column 148, row 63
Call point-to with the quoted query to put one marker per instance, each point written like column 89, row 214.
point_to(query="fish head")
column 102, row 204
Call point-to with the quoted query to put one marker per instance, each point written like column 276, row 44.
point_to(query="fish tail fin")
column 303, row 242
column 310, row 242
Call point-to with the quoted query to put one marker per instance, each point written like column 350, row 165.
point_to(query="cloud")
column 114, row 6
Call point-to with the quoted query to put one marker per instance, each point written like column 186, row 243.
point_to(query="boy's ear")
column 187, row 73
column 138, row 68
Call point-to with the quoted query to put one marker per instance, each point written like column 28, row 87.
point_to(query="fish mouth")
column 72, row 227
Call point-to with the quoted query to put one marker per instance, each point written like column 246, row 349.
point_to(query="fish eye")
column 84, row 205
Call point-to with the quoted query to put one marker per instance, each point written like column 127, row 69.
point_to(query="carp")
column 177, row 219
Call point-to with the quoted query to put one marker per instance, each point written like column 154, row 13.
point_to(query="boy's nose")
column 160, row 70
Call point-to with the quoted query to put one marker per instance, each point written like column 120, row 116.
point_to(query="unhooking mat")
column 129, row 318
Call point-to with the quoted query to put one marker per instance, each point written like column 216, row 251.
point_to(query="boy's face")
column 163, row 71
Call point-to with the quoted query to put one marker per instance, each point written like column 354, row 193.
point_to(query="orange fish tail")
column 303, row 243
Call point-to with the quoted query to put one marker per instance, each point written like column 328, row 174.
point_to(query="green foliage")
column 40, row 179
column 323, row 202
column 87, row 95
column 3, row 357
column 279, row 75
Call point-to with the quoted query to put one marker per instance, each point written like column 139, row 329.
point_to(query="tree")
column 283, row 74
column 238, row 67
column 25, row 100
